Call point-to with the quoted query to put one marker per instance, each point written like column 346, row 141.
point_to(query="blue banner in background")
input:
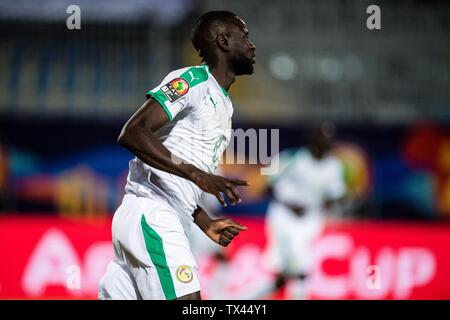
column 77, row 167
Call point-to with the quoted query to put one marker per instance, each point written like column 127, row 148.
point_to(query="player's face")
column 320, row 145
column 243, row 53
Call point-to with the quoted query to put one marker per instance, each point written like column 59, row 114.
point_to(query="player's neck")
column 223, row 75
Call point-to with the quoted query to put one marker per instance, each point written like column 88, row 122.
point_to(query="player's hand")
column 215, row 185
column 223, row 231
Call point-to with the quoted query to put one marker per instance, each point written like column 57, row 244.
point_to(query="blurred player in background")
column 310, row 182
column 178, row 136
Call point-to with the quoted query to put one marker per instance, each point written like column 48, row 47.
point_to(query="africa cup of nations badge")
column 175, row 89
column 185, row 274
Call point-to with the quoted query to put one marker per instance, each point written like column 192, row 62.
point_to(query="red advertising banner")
column 411, row 260
column 52, row 258
column 56, row 258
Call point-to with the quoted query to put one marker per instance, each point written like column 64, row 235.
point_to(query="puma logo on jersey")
column 192, row 76
column 214, row 103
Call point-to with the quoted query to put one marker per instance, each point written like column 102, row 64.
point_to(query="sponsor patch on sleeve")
column 175, row 89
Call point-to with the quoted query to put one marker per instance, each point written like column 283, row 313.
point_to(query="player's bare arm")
column 138, row 136
column 221, row 231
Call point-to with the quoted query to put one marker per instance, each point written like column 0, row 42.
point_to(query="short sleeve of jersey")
column 178, row 89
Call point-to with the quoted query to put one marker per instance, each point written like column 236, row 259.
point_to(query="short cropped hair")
column 202, row 32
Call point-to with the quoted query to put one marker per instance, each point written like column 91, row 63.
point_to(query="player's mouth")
column 253, row 59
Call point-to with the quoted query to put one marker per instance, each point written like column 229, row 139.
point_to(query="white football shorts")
column 153, row 258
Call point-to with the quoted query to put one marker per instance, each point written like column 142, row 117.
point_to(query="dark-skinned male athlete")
column 178, row 137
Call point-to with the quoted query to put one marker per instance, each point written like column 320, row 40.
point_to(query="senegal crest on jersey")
column 175, row 89
column 184, row 274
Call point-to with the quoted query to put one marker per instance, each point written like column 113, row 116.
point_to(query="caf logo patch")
column 180, row 85
column 175, row 89
column 184, row 274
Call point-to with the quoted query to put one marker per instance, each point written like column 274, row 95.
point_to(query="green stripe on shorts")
column 155, row 249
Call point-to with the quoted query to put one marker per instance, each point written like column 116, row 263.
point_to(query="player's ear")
column 222, row 42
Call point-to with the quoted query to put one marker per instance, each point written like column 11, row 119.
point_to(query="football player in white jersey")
column 310, row 182
column 178, row 136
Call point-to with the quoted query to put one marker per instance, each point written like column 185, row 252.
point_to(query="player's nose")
column 252, row 46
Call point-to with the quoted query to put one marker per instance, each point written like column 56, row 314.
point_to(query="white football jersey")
column 198, row 132
column 306, row 181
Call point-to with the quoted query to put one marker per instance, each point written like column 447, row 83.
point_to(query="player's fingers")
column 226, row 237
column 228, row 234
column 221, row 199
column 224, row 242
column 233, row 231
column 234, row 191
column 231, row 197
column 238, row 182
column 237, row 225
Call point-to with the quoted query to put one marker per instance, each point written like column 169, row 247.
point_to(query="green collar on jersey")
column 225, row 92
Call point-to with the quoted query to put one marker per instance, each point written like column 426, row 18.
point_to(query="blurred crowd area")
column 65, row 95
